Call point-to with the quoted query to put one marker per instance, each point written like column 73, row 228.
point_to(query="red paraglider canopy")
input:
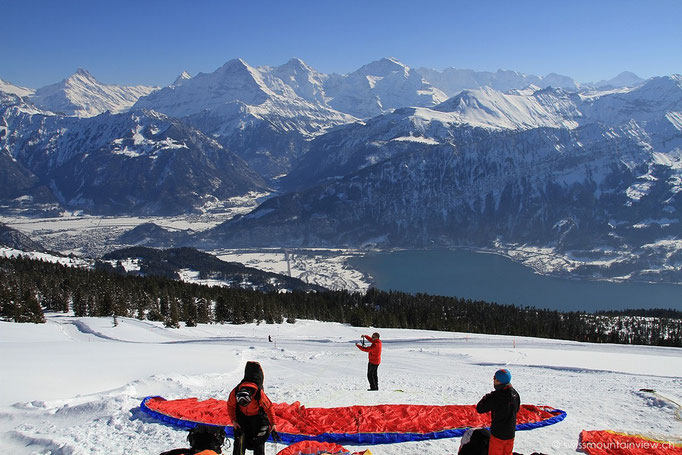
column 380, row 424
column 318, row 448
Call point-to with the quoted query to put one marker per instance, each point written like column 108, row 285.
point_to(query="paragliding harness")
column 254, row 430
column 475, row 441
column 204, row 440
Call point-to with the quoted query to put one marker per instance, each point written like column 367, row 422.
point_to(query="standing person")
column 250, row 411
column 374, row 354
column 503, row 403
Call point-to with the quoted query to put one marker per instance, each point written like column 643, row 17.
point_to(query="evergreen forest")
column 29, row 288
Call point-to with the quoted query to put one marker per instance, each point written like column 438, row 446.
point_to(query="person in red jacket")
column 374, row 354
column 251, row 412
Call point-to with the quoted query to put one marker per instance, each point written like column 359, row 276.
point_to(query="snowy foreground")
column 74, row 385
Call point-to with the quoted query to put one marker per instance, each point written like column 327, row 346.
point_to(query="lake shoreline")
column 464, row 272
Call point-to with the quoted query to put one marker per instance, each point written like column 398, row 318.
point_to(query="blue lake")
column 493, row 278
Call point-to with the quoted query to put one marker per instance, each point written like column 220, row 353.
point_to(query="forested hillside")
column 29, row 287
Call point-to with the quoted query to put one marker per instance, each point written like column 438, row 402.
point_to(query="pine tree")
column 203, row 311
column 9, row 307
column 78, row 304
column 30, row 309
column 173, row 318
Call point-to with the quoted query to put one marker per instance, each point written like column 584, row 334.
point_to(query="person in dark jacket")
column 503, row 403
column 374, row 354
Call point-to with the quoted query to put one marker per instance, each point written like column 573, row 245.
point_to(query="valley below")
column 521, row 275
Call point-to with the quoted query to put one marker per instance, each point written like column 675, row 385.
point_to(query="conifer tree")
column 173, row 318
column 9, row 307
column 203, row 311
column 79, row 305
column 30, row 310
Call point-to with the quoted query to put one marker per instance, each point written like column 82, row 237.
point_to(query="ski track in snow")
column 75, row 384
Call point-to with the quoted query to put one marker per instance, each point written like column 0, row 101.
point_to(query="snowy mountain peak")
column 80, row 72
column 237, row 75
column 380, row 87
column 182, row 77
column 624, row 79
column 301, row 78
column 557, row 80
column 233, row 81
column 297, row 63
column 81, row 95
column 234, row 65
column 294, row 69
column 382, row 68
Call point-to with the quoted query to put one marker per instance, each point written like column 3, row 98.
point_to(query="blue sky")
column 151, row 42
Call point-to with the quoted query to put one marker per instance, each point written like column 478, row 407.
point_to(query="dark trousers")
column 240, row 443
column 252, row 435
column 372, row 376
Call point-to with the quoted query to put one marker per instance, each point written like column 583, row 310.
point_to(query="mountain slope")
column 175, row 263
column 7, row 88
column 474, row 115
column 12, row 238
column 139, row 162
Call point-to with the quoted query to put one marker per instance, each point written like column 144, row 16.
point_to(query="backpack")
column 253, row 375
column 476, row 443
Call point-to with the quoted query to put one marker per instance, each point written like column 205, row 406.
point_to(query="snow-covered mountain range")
column 252, row 111
column 578, row 172
column 454, row 80
column 379, row 156
column 267, row 115
column 474, row 115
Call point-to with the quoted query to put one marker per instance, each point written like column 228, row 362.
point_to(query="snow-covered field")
column 74, row 385
column 326, row 267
